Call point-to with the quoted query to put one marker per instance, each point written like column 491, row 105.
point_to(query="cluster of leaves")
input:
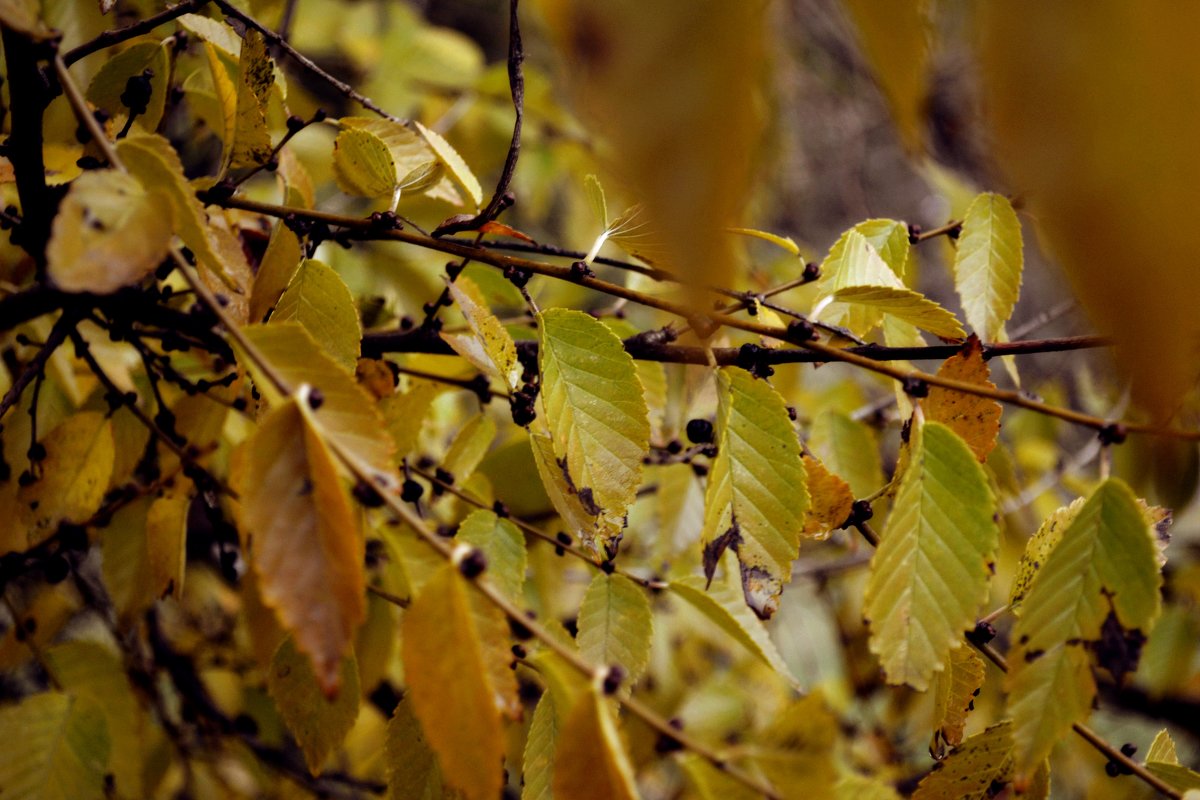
column 291, row 506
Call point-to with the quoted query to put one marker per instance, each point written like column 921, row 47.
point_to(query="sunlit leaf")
column 589, row 736
column 488, row 346
column 756, row 495
column 615, row 624
column 929, row 575
column 442, row 647
column 300, row 529
column 319, row 299
column 110, row 232
column 975, row 419
column 988, row 264
column 954, row 692
column 1097, row 591
column 74, row 475
column 1163, row 762
column 853, row 261
column 1038, row 549
column 455, row 167
column 61, row 751
column 318, row 722
column 906, row 305
column 578, row 520
column 378, row 157
column 596, row 415
column 784, row 242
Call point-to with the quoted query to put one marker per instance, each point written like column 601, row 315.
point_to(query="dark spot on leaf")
column 1034, row 655
column 588, row 501
column 716, row 548
column 1118, row 650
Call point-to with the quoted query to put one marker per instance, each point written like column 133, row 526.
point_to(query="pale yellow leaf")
column 319, row 299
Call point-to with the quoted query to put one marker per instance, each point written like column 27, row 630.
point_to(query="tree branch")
column 118, row 35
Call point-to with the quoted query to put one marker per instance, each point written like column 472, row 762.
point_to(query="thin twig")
column 58, row 335
column 275, row 39
column 118, row 35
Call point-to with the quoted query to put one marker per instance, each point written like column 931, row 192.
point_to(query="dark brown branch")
column 30, row 91
column 419, row 340
column 20, row 307
column 36, row 366
column 118, row 35
column 501, row 199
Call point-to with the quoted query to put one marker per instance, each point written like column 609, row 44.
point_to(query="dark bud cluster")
column 753, row 359
column 700, row 431
column 517, row 276
column 524, row 404
column 138, row 89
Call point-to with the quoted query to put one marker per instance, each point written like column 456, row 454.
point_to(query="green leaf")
column 589, row 736
column 1162, row 761
column 597, row 417
column 929, row 575
column 488, row 346
column 538, row 762
column 853, row 261
column 74, row 475
column 302, row 535
column 251, row 143
column 615, row 624
column 988, row 264
column 906, row 305
column 502, row 544
column 889, row 237
column 318, row 722
column 1098, row 588
column 469, row 447
column 726, row 607
column 971, row 770
column 1162, row 749
column 93, row 674
column 954, row 692
column 60, row 752
column 109, row 232
column 413, row 771
column 756, row 496
column 456, row 168
column 441, row 643
column 849, row 449
column 108, row 85
column 319, row 299
column 378, row 157
column 348, row 414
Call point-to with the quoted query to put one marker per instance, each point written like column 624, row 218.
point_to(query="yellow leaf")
column 74, row 475
column 830, row 500
column 449, row 685
column 166, row 539
column 109, row 232
column 589, row 736
column 300, row 530
column 488, row 346
column 895, row 40
column 1119, row 212
column 109, row 84
column 456, row 168
column 319, row 299
column 251, row 143
column 975, row 419
column 279, row 263
column 318, row 722
column 405, row 412
column 60, row 752
column 954, row 691
column 672, row 89
column 413, row 772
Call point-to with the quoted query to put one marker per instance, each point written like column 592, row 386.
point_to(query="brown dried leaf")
column 976, row 419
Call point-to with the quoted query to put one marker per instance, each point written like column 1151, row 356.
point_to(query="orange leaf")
column 830, row 496
column 976, row 419
column 500, row 229
column 299, row 527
